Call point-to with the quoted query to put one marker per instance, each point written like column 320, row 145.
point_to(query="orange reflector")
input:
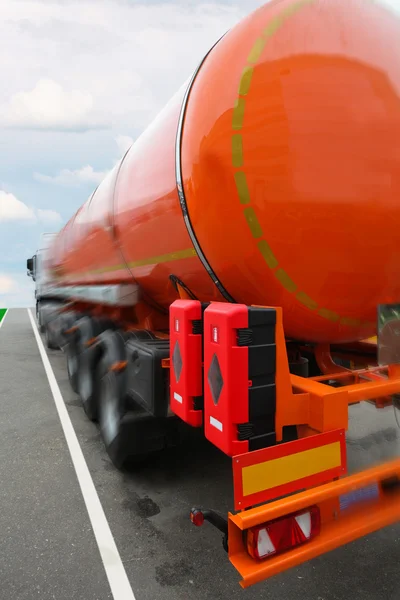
column 91, row 342
column 119, row 366
column 71, row 330
column 273, row 472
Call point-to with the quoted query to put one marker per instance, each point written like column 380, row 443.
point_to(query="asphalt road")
column 48, row 547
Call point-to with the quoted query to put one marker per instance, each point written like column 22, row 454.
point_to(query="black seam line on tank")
column 115, row 240
column 89, row 202
column 113, row 203
column 179, row 184
column 92, row 196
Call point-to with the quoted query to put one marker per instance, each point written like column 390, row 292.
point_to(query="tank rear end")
column 291, row 164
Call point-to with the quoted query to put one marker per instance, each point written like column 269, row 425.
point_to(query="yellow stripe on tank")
column 242, row 188
column 253, row 222
column 245, row 81
column 240, row 176
column 285, row 280
column 238, row 113
column 237, row 151
column 152, row 260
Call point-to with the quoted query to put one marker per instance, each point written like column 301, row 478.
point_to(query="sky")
column 80, row 80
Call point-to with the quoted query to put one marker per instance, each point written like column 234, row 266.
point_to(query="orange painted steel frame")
column 315, row 408
column 290, row 165
column 309, row 403
column 336, row 529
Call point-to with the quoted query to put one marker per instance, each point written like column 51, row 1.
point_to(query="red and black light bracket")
column 198, row 516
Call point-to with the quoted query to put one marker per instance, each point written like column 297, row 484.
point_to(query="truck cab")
column 31, row 267
column 38, row 271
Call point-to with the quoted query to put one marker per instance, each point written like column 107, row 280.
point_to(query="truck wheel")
column 72, row 366
column 88, row 385
column 111, row 410
column 49, row 337
column 38, row 319
column 84, row 384
column 130, row 434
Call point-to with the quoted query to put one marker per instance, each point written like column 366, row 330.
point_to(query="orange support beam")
column 338, row 525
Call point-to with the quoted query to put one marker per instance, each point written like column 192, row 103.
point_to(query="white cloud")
column 48, row 217
column 19, row 252
column 123, row 58
column 49, row 107
column 87, row 174
column 68, row 67
column 12, row 209
column 16, row 290
column 73, row 178
column 8, row 285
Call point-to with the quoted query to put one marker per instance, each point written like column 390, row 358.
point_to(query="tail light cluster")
column 284, row 533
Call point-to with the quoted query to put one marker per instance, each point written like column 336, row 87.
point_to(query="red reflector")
column 197, row 517
column 284, row 533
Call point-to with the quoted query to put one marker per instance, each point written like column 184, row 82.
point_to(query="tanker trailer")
column 226, row 272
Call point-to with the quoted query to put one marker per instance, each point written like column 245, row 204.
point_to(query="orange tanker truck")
column 227, row 272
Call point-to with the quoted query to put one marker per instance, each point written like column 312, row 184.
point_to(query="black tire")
column 72, row 366
column 39, row 317
column 85, row 387
column 130, row 435
column 111, row 411
column 88, row 385
column 49, row 337
column 39, row 324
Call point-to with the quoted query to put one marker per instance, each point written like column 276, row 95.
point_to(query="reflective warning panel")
column 269, row 473
column 186, row 373
column 239, row 377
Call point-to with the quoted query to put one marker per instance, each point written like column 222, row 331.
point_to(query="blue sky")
column 81, row 79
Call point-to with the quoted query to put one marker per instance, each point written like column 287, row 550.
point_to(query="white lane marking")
column 4, row 318
column 117, row 578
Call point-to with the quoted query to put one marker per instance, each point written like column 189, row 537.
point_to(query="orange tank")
column 272, row 177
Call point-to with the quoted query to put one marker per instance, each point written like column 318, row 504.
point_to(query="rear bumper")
column 342, row 522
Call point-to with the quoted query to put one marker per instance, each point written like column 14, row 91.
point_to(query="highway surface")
column 49, row 548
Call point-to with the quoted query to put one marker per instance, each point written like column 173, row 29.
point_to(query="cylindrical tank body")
column 285, row 147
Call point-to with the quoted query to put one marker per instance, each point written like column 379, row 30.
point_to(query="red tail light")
column 283, row 534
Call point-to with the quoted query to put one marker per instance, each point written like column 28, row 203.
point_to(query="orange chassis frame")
column 320, row 413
